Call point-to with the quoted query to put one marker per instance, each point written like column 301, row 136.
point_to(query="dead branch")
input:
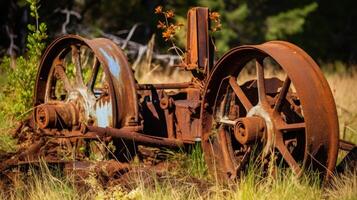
column 11, row 51
column 131, row 33
column 68, row 14
column 137, row 51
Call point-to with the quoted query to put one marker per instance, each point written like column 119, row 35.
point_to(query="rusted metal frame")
column 164, row 86
column 346, row 145
column 191, row 46
column 129, row 133
column 187, row 115
column 199, row 46
column 166, row 103
column 203, row 40
column 169, row 117
column 71, row 134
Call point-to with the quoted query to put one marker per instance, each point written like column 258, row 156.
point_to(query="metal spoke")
column 227, row 122
column 59, row 71
column 282, row 95
column 288, row 157
column 291, row 127
column 224, row 147
column 240, row 94
column 94, row 74
column 260, row 81
column 77, row 62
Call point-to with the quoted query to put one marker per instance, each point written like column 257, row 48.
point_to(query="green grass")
column 7, row 142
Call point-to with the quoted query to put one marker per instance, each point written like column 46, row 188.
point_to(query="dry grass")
column 344, row 89
column 343, row 187
column 44, row 184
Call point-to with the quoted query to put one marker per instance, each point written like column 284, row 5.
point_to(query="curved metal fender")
column 121, row 78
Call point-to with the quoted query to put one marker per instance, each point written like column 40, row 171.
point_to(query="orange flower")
column 168, row 28
column 158, row 10
column 214, row 16
column 161, row 25
column 169, row 32
column 167, row 35
column 169, row 14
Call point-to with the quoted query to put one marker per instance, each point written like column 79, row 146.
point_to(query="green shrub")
column 18, row 81
column 17, row 92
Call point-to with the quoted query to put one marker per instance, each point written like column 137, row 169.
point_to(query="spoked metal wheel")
column 290, row 119
column 84, row 82
column 77, row 79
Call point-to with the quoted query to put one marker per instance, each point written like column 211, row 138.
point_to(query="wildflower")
column 168, row 29
column 166, row 35
column 169, row 32
column 161, row 25
column 158, row 10
column 169, row 14
column 214, row 16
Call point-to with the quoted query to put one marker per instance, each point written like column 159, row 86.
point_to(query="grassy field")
column 188, row 180
column 344, row 90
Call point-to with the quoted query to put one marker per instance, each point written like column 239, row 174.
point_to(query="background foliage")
column 325, row 29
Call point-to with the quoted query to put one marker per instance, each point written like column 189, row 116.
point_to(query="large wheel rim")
column 319, row 112
column 108, row 61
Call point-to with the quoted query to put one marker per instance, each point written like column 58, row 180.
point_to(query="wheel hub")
column 56, row 115
column 249, row 129
column 85, row 102
column 269, row 133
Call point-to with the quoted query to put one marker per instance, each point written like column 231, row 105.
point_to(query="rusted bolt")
column 165, row 103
